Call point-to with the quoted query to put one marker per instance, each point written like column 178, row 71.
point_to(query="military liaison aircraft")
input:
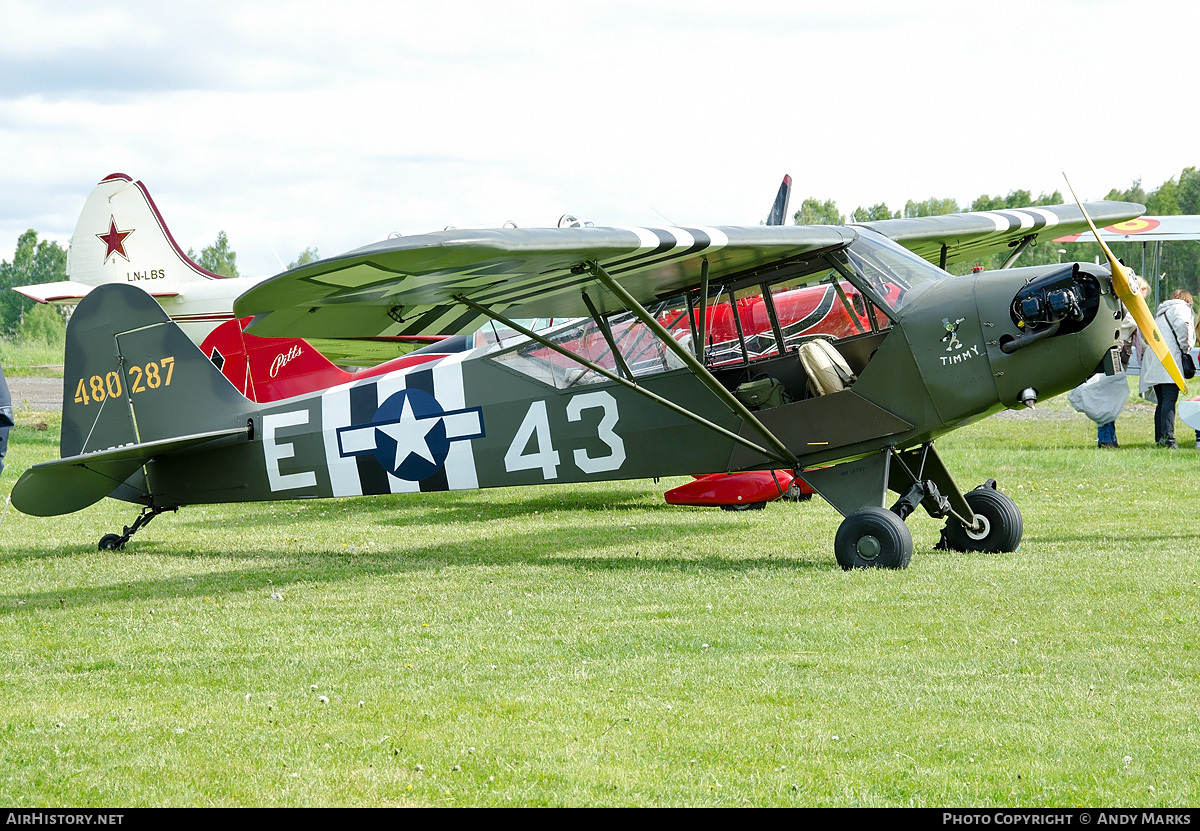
column 666, row 327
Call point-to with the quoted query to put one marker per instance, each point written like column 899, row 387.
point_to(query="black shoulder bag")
column 1188, row 366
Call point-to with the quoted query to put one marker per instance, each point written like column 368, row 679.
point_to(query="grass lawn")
column 590, row 645
column 33, row 359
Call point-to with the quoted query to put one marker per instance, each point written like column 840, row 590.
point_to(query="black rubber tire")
column 110, row 542
column 873, row 538
column 748, row 506
column 1001, row 517
column 794, row 494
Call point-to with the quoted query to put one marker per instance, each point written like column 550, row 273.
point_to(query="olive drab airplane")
column 830, row 352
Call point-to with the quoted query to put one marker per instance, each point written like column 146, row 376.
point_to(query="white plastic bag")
column 1100, row 397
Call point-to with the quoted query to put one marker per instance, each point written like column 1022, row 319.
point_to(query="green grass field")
column 590, row 645
column 31, row 359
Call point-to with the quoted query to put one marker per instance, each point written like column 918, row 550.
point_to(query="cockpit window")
column 642, row 353
column 891, row 271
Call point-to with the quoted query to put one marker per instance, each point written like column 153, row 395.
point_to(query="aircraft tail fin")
column 134, row 386
column 121, row 238
column 779, row 210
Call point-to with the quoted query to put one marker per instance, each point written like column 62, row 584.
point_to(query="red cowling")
column 718, row 489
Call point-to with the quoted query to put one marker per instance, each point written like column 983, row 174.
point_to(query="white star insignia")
column 409, row 434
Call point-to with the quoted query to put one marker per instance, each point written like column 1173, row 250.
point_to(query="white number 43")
column 535, row 430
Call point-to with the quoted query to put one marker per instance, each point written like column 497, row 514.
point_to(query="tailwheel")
column 116, row 542
column 873, row 537
column 745, row 506
column 998, row 525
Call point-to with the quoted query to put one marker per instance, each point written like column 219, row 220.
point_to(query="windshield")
column 893, row 272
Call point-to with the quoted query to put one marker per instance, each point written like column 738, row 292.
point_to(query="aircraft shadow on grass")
column 572, row 550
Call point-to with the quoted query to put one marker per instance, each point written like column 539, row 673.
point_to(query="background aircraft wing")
column 408, row 285
column 972, row 236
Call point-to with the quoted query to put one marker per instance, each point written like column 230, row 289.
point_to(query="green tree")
column 218, row 258
column 308, row 255
column 43, row 324
column 873, row 213
column 1018, row 199
column 1015, row 199
column 1055, row 198
column 814, row 212
column 1189, row 191
column 930, row 207
column 987, row 203
column 33, row 262
column 1165, row 200
column 1133, row 194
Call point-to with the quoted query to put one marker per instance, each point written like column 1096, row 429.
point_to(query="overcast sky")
column 290, row 125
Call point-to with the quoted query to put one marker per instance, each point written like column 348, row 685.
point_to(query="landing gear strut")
column 116, row 542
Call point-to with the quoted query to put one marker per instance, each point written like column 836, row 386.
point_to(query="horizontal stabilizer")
column 67, row 292
column 72, row 484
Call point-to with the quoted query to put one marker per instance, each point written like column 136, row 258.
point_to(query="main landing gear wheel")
column 998, row 524
column 746, row 506
column 873, row 538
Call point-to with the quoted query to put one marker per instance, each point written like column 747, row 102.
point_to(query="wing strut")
column 702, row 337
column 594, row 367
column 1020, row 246
column 605, row 330
column 689, row 360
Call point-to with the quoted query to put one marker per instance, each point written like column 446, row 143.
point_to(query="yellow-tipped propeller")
column 1134, row 302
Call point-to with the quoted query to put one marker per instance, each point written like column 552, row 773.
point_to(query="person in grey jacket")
column 1176, row 319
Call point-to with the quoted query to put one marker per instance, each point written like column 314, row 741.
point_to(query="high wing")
column 411, row 285
column 970, row 236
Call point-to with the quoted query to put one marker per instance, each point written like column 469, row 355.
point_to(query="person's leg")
column 1106, row 435
column 1168, row 395
column 1158, row 410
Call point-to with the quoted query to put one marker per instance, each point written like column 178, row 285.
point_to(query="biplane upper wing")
column 410, row 285
column 970, row 236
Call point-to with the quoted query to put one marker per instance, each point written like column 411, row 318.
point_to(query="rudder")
column 121, row 237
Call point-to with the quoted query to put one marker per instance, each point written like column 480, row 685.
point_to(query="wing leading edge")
column 970, row 236
column 408, row 286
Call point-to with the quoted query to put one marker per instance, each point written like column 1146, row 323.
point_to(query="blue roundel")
column 410, row 435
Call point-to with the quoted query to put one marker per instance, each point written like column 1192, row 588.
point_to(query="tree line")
column 1178, row 195
column 45, row 261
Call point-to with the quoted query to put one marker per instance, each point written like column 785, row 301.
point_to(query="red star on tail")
column 114, row 240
